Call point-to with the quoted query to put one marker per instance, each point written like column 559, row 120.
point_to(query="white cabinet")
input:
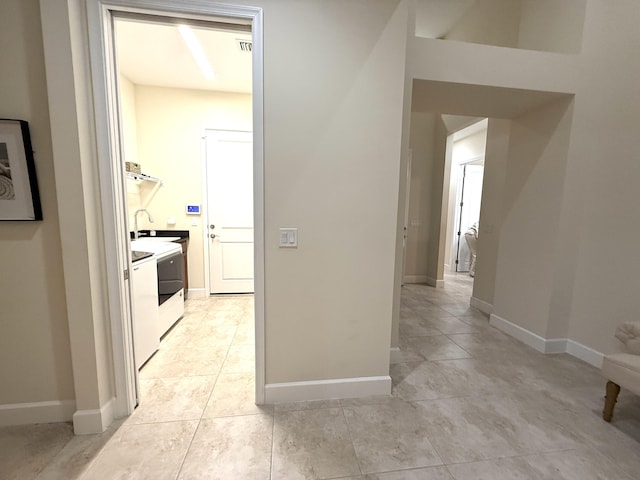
column 144, row 286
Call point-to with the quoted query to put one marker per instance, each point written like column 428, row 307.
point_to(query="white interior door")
column 230, row 210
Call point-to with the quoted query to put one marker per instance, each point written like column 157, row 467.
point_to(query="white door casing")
column 229, row 160
column 100, row 36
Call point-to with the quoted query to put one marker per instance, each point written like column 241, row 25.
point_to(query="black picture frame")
column 19, row 194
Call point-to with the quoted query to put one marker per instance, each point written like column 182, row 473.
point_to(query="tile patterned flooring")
column 468, row 403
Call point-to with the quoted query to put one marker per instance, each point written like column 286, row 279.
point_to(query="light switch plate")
column 288, row 238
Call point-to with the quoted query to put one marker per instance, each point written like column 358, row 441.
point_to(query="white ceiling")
column 435, row 18
column 155, row 54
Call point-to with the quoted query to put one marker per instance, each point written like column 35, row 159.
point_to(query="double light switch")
column 288, row 237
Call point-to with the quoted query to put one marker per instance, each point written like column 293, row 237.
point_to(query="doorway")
column 467, row 216
column 466, row 155
column 111, row 153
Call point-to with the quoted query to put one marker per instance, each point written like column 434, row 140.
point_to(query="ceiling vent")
column 244, row 45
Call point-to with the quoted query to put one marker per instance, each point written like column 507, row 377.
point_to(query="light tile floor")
column 468, row 402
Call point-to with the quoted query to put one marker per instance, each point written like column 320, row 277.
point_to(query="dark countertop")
column 183, row 234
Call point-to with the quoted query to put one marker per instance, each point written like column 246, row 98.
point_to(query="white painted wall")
column 35, row 359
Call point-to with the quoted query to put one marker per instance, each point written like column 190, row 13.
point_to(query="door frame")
column 457, row 213
column 205, row 210
column 105, row 103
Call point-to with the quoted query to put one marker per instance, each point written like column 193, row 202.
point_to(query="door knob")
column 213, row 235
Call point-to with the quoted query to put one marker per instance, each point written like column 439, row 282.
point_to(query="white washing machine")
column 170, row 282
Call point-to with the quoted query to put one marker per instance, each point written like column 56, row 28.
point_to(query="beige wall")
column 170, row 125
column 335, row 176
column 422, row 146
column 35, row 360
column 551, row 25
column 533, row 198
column 546, row 25
column 493, row 184
column 440, row 188
column 490, row 22
column 128, row 115
column 470, row 147
column 81, row 217
column 604, row 146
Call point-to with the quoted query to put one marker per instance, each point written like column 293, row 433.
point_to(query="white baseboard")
column 584, row 353
column 394, row 354
column 516, row 331
column 415, row 279
column 555, row 345
column 327, row 389
column 484, row 307
column 544, row 345
column 94, row 421
column 434, row 283
column 197, row 293
column 36, row 412
column 551, row 345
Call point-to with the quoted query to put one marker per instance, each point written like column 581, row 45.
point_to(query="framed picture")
column 19, row 197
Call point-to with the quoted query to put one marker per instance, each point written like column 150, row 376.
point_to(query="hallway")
column 468, row 402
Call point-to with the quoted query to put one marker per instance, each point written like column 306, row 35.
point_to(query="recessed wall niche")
column 544, row 25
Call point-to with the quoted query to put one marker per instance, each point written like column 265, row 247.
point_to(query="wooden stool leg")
column 613, row 390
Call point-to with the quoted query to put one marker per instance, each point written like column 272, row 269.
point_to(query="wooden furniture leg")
column 613, row 390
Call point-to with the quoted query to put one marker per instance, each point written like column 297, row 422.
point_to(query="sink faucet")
column 135, row 220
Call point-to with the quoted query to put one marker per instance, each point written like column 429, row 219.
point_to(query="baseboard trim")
column 36, row 412
column 86, row 422
column 394, row 354
column 555, row 345
column 551, row 345
column 484, row 307
column 327, row 389
column 415, row 279
column 516, row 331
column 584, row 353
column 196, row 293
column 434, row 283
column 544, row 345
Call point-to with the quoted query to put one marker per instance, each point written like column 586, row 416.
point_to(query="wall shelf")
column 141, row 177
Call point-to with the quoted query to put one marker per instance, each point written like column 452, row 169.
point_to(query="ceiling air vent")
column 244, row 45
